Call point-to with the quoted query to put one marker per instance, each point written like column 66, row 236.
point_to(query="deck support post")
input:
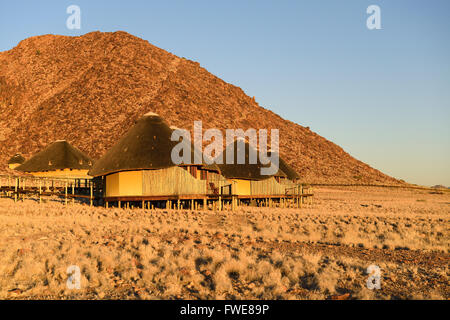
column 40, row 190
column 15, row 190
column 65, row 192
column 73, row 193
column 91, row 194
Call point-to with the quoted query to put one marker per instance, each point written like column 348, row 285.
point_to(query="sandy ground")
column 316, row 252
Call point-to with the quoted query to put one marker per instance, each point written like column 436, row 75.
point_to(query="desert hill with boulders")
column 89, row 90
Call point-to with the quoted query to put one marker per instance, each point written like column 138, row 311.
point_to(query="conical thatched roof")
column 291, row 174
column 57, row 156
column 246, row 170
column 16, row 159
column 147, row 145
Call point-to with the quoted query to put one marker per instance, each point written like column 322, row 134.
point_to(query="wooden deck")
column 91, row 192
column 45, row 189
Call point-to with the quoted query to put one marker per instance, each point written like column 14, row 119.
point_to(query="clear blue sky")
column 383, row 95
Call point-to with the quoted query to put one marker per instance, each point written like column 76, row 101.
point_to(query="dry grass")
column 254, row 253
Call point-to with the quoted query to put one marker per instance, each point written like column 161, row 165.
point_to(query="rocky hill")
column 89, row 90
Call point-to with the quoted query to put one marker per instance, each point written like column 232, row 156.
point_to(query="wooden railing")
column 38, row 188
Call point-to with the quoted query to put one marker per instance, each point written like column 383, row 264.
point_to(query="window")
column 203, row 174
column 193, row 171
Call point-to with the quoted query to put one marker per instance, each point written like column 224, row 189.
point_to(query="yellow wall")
column 127, row 183
column 112, row 185
column 130, row 183
column 241, row 187
column 66, row 173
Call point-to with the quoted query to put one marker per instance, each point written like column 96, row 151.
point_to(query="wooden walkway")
column 63, row 189
column 88, row 191
column 222, row 200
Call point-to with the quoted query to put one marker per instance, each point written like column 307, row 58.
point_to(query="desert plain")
column 319, row 251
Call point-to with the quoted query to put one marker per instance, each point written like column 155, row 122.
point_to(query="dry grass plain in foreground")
column 317, row 252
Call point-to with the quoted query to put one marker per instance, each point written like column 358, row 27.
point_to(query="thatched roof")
column 147, row 145
column 16, row 159
column 246, row 170
column 291, row 174
column 57, row 156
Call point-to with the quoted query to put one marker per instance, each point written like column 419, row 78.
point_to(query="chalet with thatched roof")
column 16, row 161
column 247, row 177
column 139, row 166
column 290, row 174
column 59, row 159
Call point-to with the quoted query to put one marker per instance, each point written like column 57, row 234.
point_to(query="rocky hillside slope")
column 89, row 90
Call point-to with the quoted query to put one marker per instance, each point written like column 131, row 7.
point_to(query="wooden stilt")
column 15, row 190
column 40, row 190
column 91, row 194
column 73, row 193
column 301, row 197
column 65, row 192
